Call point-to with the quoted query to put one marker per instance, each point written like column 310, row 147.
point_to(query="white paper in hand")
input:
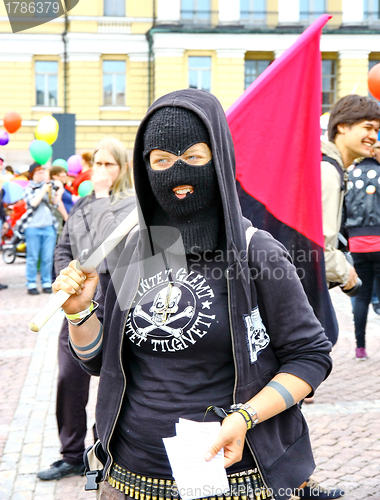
column 195, row 477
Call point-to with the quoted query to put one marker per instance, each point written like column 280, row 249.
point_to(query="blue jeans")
column 40, row 244
column 367, row 266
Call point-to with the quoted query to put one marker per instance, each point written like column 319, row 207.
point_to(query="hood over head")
column 210, row 113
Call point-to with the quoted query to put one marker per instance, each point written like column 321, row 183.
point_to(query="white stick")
column 56, row 302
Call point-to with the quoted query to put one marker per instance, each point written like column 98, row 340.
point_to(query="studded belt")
column 247, row 485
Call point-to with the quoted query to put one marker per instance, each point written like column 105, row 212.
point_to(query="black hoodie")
column 265, row 283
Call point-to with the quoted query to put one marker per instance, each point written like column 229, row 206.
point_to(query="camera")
column 53, row 185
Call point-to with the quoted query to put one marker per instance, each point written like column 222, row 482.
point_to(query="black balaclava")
column 175, row 130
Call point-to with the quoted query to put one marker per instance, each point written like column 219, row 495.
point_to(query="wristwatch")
column 251, row 412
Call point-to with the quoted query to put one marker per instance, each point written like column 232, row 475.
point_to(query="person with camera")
column 352, row 131
column 41, row 232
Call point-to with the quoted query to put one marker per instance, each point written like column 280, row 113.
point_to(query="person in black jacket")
column 202, row 311
column 90, row 221
column 363, row 225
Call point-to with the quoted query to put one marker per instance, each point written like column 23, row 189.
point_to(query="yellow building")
column 110, row 58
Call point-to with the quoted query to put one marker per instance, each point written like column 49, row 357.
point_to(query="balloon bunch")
column 60, row 163
column 12, row 122
column 73, row 166
column 46, row 134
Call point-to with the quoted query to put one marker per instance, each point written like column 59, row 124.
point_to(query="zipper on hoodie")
column 236, row 377
column 125, row 384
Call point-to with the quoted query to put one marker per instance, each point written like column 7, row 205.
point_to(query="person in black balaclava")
column 194, row 209
column 224, row 324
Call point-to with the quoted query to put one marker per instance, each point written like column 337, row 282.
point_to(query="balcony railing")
column 256, row 18
column 114, row 25
column 310, row 16
column 372, row 17
column 262, row 20
column 201, row 18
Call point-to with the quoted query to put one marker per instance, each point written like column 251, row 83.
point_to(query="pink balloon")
column 74, row 163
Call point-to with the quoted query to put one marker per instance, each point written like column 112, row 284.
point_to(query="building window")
column 328, row 84
column 252, row 11
column 46, row 83
column 253, row 68
column 200, row 73
column 114, row 8
column 371, row 9
column 114, row 83
column 311, row 9
column 196, row 10
column 372, row 63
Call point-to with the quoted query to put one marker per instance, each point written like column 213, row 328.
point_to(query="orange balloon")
column 374, row 81
column 12, row 121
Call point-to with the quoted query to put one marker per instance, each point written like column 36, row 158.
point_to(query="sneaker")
column 47, row 289
column 33, row 291
column 3, row 287
column 360, row 354
column 313, row 490
column 376, row 307
column 61, row 469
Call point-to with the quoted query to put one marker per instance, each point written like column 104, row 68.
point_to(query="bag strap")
column 250, row 231
column 342, row 235
column 338, row 167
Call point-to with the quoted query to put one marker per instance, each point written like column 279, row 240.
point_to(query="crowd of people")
column 182, row 265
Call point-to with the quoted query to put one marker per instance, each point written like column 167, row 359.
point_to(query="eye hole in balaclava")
column 175, row 130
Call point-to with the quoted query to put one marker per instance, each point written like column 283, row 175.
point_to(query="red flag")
column 276, row 133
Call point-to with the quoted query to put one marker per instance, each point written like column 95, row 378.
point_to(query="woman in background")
column 91, row 220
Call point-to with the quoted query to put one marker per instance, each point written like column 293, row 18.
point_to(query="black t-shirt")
column 178, row 361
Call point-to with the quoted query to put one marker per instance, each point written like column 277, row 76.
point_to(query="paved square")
column 344, row 420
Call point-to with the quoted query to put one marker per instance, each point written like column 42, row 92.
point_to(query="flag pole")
column 56, row 302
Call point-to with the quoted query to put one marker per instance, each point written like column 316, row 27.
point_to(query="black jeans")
column 367, row 266
column 72, row 397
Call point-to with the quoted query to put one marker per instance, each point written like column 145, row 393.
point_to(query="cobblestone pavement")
column 344, row 420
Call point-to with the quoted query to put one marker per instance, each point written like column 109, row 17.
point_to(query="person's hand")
column 58, row 183
column 231, row 438
column 46, row 187
column 80, row 283
column 352, row 278
column 102, row 182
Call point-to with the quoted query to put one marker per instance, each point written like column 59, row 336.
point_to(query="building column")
column 168, row 11
column 352, row 72
column 229, row 75
column 169, row 70
column 229, row 12
column 137, row 90
column 288, row 12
